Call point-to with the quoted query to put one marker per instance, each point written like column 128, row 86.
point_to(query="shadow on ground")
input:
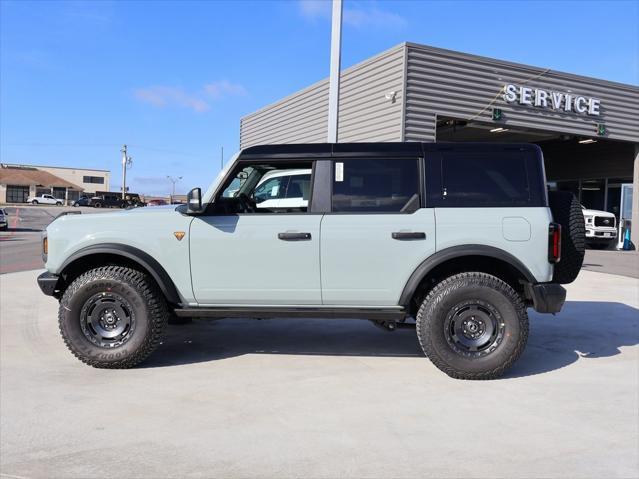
column 584, row 329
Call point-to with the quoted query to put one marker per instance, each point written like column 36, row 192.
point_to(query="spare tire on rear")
column 566, row 211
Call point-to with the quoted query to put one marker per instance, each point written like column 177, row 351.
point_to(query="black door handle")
column 409, row 235
column 294, row 236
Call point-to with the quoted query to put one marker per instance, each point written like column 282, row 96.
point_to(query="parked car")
column 461, row 237
column 82, row 201
column 601, row 228
column 4, row 219
column 44, row 200
column 157, row 202
column 107, row 200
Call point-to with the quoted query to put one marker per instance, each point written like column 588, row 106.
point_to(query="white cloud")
column 162, row 96
column 222, row 88
column 198, row 101
column 356, row 14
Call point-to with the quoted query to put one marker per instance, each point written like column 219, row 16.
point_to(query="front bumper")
column 601, row 234
column 48, row 283
column 546, row 297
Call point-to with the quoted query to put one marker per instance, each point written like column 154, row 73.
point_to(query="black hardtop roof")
column 386, row 149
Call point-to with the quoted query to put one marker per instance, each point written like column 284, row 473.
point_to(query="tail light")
column 554, row 243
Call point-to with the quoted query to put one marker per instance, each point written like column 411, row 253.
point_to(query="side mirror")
column 194, row 201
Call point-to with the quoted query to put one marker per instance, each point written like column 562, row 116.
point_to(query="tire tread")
column 150, row 293
column 437, row 294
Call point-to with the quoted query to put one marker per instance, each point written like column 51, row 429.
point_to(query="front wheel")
column 112, row 317
column 472, row 326
column 34, row 202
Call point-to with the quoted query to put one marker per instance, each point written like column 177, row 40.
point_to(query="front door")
column 377, row 232
column 255, row 256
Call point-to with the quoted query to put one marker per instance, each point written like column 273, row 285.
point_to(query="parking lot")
column 20, row 245
column 271, row 398
column 238, row 398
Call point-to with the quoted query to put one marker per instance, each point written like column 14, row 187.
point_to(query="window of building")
column 376, row 185
column 17, row 194
column 484, row 179
column 93, row 179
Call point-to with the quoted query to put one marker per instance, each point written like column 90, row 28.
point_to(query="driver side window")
column 264, row 188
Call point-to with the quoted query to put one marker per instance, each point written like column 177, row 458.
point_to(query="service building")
column 588, row 128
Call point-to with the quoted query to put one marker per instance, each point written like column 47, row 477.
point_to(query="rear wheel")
column 58, row 203
column 112, row 317
column 472, row 326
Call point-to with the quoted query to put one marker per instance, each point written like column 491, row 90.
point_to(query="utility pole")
column 127, row 162
column 333, row 83
column 174, row 181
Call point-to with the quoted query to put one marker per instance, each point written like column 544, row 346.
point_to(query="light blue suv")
column 461, row 237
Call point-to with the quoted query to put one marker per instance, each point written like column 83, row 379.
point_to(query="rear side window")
column 488, row 179
column 376, row 185
column 299, row 187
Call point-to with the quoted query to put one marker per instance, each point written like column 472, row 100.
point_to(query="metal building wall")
column 365, row 114
column 452, row 84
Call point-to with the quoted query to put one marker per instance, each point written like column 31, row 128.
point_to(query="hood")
column 588, row 212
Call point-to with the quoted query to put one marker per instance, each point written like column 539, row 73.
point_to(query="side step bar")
column 276, row 312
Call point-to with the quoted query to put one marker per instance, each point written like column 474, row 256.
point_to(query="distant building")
column 18, row 182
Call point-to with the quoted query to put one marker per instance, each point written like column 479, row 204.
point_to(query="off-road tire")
column 148, row 304
column 441, row 302
column 566, row 211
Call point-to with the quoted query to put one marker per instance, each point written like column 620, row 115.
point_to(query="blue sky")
column 172, row 79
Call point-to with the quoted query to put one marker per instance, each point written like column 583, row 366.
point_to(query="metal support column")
column 634, row 228
column 333, row 84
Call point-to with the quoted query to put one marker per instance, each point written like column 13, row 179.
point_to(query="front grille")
column 605, row 221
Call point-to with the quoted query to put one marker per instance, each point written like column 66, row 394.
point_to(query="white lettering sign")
column 551, row 99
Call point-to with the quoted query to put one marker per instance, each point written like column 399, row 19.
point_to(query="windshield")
column 209, row 193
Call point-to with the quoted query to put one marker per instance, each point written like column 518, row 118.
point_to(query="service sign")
column 554, row 100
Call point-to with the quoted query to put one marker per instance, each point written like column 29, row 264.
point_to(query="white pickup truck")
column 44, row 200
column 601, row 228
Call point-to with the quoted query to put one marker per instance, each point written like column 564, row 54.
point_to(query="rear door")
column 377, row 232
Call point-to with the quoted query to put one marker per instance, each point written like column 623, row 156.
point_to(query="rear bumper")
column 48, row 283
column 547, row 297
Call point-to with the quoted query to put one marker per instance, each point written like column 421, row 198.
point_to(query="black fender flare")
column 145, row 260
column 457, row 252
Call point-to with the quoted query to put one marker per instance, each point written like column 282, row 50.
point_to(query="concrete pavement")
column 322, row 398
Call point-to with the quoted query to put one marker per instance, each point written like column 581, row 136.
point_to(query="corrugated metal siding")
column 453, row 84
column 364, row 114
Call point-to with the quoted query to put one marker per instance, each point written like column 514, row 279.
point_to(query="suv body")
column 601, row 227
column 44, row 200
column 388, row 230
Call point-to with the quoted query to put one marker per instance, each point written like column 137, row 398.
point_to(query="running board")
column 276, row 312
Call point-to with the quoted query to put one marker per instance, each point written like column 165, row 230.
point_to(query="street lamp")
column 173, row 180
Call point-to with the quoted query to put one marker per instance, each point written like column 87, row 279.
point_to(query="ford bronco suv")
column 462, row 238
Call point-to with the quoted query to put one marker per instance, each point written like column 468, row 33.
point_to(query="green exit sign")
column 601, row 129
column 497, row 114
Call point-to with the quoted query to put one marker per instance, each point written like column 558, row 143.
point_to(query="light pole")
column 127, row 162
column 173, row 180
